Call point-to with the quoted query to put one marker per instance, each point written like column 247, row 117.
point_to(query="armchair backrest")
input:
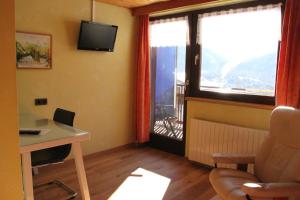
column 279, row 157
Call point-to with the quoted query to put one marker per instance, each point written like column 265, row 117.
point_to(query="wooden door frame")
column 162, row 142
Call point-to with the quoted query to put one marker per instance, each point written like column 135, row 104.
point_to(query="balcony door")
column 168, row 43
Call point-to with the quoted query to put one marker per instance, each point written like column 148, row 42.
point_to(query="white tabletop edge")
column 53, row 143
column 58, row 134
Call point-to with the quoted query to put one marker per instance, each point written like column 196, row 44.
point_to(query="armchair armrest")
column 272, row 190
column 233, row 158
column 242, row 160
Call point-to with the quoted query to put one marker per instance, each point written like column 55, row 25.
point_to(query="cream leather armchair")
column 276, row 164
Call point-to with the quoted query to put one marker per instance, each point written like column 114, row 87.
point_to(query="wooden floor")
column 107, row 171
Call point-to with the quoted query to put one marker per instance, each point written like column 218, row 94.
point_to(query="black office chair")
column 57, row 154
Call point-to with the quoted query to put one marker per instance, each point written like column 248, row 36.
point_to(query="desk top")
column 56, row 133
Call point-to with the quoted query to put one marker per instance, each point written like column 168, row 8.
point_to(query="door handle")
column 197, row 56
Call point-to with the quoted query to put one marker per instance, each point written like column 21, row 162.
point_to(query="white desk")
column 58, row 134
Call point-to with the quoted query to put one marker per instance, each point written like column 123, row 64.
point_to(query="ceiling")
column 163, row 7
column 131, row 3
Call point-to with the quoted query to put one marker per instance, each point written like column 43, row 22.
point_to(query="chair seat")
column 227, row 183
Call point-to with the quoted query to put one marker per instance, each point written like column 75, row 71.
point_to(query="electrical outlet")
column 40, row 101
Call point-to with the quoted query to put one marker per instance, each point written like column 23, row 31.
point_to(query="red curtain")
column 288, row 74
column 143, row 82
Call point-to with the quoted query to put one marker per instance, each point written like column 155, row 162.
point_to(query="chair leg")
column 171, row 127
column 242, row 167
column 70, row 191
column 168, row 125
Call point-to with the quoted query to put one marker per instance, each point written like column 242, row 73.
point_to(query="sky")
column 242, row 35
column 173, row 33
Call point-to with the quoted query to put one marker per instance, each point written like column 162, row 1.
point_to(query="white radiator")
column 208, row 137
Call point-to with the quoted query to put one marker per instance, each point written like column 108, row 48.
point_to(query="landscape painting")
column 33, row 50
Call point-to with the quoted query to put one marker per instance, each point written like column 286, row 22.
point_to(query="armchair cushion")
column 228, row 182
column 271, row 190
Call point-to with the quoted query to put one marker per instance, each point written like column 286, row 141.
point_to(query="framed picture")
column 33, row 50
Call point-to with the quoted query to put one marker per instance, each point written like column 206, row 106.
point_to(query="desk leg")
column 80, row 171
column 27, row 176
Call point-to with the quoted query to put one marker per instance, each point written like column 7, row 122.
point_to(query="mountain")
column 258, row 73
column 211, row 66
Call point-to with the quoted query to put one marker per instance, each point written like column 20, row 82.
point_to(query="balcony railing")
column 179, row 102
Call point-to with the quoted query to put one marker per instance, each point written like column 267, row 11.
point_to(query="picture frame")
column 33, row 50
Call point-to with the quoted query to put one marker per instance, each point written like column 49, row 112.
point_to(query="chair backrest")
column 59, row 153
column 279, row 157
column 64, row 116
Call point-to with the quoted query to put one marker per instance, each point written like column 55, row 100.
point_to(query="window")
column 236, row 54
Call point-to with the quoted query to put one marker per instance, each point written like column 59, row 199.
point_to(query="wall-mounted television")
column 96, row 36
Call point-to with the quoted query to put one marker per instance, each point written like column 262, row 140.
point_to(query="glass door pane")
column 168, row 58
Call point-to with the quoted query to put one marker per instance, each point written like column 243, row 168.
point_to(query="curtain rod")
column 93, row 10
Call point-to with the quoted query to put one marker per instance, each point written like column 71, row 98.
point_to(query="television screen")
column 96, row 36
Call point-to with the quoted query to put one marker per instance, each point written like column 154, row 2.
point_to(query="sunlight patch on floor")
column 142, row 184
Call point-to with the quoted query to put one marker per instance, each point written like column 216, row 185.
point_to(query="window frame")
column 195, row 69
column 158, row 141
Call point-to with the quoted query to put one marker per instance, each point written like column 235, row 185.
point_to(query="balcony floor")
column 160, row 129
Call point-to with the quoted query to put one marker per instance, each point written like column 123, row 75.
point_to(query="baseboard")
column 111, row 150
